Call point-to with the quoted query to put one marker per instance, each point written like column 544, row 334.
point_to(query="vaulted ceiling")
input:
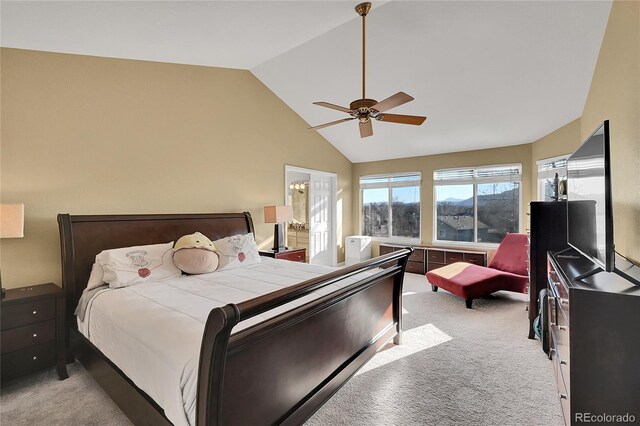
column 486, row 74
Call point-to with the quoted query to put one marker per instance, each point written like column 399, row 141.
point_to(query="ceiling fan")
column 366, row 109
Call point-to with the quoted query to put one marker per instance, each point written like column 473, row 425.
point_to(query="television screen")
column 589, row 211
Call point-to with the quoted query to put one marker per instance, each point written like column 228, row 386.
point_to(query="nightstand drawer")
column 295, row 256
column 27, row 313
column 27, row 360
column 28, row 335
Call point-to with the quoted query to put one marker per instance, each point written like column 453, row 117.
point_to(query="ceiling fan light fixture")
column 364, row 109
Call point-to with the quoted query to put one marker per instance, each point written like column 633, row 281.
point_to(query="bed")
column 277, row 371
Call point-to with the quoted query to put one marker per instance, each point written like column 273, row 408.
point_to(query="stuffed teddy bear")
column 195, row 254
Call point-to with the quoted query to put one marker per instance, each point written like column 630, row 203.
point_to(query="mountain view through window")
column 483, row 209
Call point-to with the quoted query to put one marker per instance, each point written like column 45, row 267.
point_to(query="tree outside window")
column 477, row 205
column 391, row 206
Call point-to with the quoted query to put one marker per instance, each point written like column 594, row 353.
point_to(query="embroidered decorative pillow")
column 134, row 265
column 237, row 251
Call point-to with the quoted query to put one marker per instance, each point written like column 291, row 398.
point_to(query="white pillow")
column 237, row 251
column 134, row 265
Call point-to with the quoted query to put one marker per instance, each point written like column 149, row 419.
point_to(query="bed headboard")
column 83, row 237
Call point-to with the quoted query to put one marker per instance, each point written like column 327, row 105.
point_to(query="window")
column 547, row 170
column 391, row 206
column 477, row 205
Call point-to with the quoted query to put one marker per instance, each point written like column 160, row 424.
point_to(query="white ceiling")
column 486, row 74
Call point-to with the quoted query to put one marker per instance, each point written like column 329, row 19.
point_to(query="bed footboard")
column 283, row 369
column 278, row 371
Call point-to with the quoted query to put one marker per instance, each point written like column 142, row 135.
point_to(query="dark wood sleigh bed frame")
column 279, row 371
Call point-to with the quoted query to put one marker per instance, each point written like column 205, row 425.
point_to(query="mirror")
column 298, row 199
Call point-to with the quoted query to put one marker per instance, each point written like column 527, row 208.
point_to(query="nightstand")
column 292, row 254
column 33, row 330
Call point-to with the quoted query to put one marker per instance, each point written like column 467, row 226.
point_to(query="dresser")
column 298, row 238
column 33, row 330
column 439, row 257
column 426, row 259
column 415, row 264
column 594, row 333
column 547, row 232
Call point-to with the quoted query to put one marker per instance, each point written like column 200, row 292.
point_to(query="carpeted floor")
column 456, row 366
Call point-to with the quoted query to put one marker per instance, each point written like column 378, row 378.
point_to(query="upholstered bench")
column 507, row 271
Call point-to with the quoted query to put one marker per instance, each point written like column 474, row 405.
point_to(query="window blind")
column 508, row 172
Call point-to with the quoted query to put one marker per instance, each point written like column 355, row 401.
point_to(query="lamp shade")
column 11, row 220
column 277, row 214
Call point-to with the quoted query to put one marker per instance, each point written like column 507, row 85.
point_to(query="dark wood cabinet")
column 439, row 257
column 547, row 232
column 33, row 330
column 426, row 259
column 415, row 264
column 292, row 254
column 594, row 345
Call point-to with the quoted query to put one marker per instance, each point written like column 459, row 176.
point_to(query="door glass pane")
column 375, row 212
column 405, row 210
column 454, row 212
column 498, row 211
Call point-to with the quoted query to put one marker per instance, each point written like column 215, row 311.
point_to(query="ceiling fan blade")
column 332, row 106
column 392, row 102
column 402, row 119
column 366, row 129
column 321, row 126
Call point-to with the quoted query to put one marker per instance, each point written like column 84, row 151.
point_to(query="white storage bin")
column 356, row 249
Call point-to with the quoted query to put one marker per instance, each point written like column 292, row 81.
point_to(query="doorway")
column 312, row 197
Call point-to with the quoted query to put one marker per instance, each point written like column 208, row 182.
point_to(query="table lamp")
column 278, row 215
column 11, row 224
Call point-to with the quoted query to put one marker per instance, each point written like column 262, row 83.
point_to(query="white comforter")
column 153, row 331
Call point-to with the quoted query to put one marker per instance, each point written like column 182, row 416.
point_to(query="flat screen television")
column 590, row 207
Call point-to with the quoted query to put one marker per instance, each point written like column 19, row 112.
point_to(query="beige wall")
column 563, row 141
column 91, row 135
column 615, row 95
column 86, row 135
column 427, row 164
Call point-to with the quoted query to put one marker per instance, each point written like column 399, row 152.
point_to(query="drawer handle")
column 564, row 301
column 563, row 396
column 553, row 324
column 35, row 312
column 35, row 358
column 35, row 334
column 563, row 362
column 562, row 327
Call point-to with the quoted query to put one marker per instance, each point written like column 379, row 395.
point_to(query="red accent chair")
column 507, row 271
